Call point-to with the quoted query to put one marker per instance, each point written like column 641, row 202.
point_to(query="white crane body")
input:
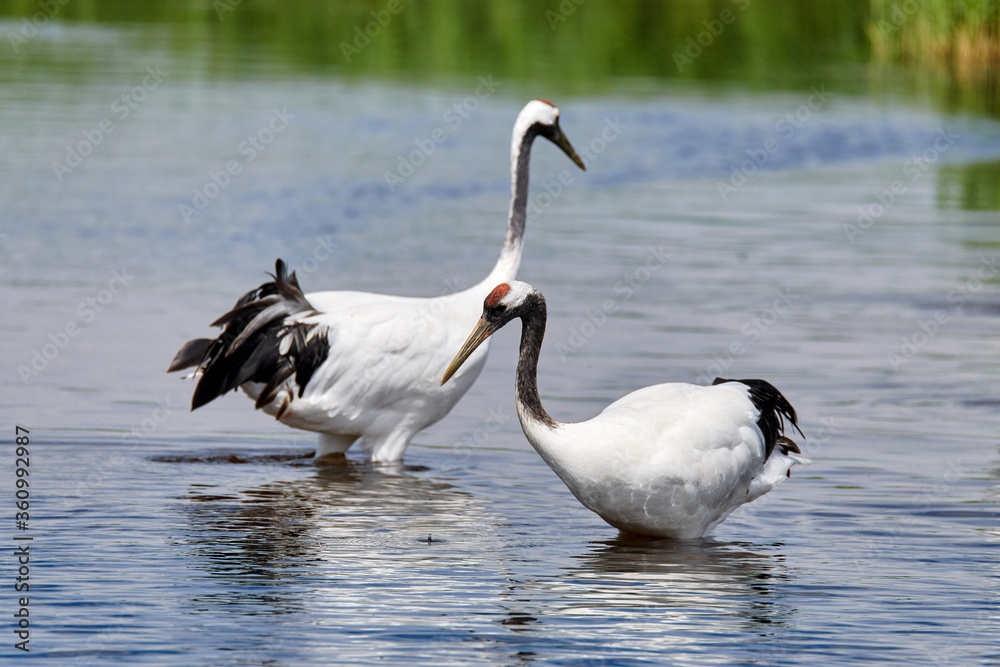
column 670, row 460
column 358, row 366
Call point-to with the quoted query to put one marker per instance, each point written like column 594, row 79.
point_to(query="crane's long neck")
column 520, row 158
column 532, row 333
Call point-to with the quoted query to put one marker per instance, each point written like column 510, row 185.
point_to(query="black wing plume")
column 249, row 349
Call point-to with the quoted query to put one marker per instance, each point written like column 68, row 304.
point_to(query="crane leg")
column 331, row 448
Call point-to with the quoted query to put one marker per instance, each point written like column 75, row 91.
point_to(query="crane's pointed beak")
column 562, row 142
column 479, row 334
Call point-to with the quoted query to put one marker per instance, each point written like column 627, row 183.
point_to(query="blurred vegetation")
column 583, row 48
column 944, row 49
column 942, row 53
column 973, row 187
column 953, row 44
column 962, row 34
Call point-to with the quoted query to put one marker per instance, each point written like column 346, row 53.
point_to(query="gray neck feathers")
column 519, row 166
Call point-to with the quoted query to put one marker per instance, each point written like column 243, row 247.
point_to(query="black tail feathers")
column 248, row 349
column 774, row 409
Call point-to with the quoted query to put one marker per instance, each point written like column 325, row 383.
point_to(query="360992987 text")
column 22, row 541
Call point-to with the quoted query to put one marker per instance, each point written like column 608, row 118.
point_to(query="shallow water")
column 177, row 538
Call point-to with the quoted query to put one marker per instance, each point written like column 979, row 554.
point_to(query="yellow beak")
column 479, row 334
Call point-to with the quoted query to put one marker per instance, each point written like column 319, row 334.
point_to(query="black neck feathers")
column 533, row 315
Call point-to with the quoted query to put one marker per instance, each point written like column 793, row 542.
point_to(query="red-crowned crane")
column 357, row 366
column 670, row 460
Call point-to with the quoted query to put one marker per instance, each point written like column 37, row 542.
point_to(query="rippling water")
column 177, row 538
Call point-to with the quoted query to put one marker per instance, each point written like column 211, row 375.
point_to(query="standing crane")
column 670, row 460
column 357, row 366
